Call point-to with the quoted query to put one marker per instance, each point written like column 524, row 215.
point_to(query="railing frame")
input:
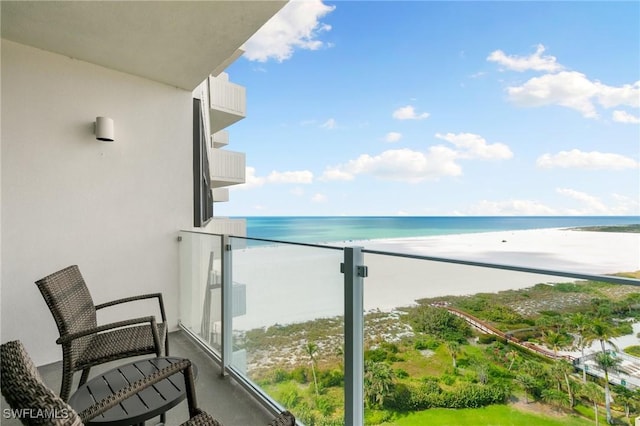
column 227, row 304
column 354, row 272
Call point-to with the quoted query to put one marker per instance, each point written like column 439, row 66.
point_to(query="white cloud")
column 593, row 160
column 329, row 124
column 569, row 89
column 510, row 208
column 591, row 204
column 627, row 94
column 415, row 166
column 626, row 205
column 535, row 61
column 409, row 113
column 475, row 146
column 587, row 205
column 251, row 180
column 625, row 117
column 302, row 176
column 297, row 191
column 319, row 198
column 392, row 137
column 254, row 181
column 296, row 26
column 399, row 165
column 573, row 90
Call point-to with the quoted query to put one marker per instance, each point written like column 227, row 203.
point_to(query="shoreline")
column 593, row 252
column 292, row 283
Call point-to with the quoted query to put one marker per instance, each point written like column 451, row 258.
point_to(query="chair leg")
column 84, row 377
column 166, row 344
column 67, row 379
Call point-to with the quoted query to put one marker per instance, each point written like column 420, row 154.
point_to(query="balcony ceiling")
column 174, row 42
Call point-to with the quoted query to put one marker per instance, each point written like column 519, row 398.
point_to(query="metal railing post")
column 354, row 274
column 227, row 304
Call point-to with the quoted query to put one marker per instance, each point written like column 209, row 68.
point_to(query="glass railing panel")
column 288, row 331
column 440, row 334
column 200, row 287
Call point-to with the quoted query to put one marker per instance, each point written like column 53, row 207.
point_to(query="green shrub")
column 448, row 379
column 279, row 376
column 300, row 375
column 439, row 323
column 633, row 350
column 375, row 355
column 427, row 343
column 485, row 339
column 288, row 395
column 332, row 378
column 401, row 374
column 325, row 406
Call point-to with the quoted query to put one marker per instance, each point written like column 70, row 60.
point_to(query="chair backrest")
column 29, row 398
column 69, row 300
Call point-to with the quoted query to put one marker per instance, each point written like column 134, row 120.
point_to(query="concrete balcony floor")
column 220, row 396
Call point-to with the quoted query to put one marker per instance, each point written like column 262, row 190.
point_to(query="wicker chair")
column 84, row 343
column 26, row 394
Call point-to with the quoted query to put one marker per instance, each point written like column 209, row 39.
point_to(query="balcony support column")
column 227, row 304
column 354, row 274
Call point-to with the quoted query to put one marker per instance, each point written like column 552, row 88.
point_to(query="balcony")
column 221, row 195
column 225, row 225
column 301, row 313
column 227, row 102
column 220, row 139
column 227, row 168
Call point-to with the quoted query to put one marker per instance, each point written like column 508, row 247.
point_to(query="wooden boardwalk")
column 489, row 329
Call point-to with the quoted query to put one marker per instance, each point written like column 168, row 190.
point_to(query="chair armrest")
column 134, row 298
column 69, row 337
column 135, row 387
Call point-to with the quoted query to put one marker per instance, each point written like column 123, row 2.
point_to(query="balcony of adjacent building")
column 227, row 102
column 220, row 139
column 227, row 168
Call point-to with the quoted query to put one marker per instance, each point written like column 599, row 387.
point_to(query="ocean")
column 311, row 229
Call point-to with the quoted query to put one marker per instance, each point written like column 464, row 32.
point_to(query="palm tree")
column 311, row 349
column 580, row 323
column 513, row 355
column 378, row 380
column 604, row 332
column 628, row 398
column 454, row 351
column 528, row 383
column 555, row 397
column 561, row 369
column 554, row 340
column 607, row 363
column 593, row 393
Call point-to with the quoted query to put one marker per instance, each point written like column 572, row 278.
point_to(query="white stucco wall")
column 113, row 208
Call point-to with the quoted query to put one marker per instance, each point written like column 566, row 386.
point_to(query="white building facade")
column 113, row 208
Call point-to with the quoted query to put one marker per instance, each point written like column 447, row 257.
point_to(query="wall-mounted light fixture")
column 104, row 129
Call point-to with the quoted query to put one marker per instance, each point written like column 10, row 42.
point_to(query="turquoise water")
column 344, row 228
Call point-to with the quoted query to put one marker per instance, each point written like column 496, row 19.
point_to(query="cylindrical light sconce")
column 104, row 129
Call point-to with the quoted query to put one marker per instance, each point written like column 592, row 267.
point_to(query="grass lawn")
column 494, row 415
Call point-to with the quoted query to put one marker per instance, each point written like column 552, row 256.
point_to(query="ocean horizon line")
column 322, row 229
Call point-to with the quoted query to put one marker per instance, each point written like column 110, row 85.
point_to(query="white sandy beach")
column 553, row 249
column 286, row 284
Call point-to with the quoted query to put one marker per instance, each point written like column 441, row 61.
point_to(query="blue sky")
column 441, row 108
